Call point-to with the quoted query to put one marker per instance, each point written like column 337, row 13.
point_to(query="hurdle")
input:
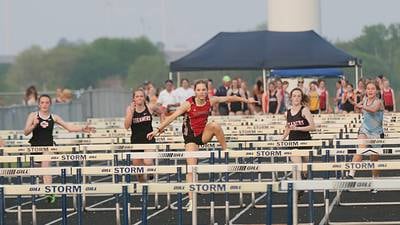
column 341, row 185
column 125, row 189
column 316, row 166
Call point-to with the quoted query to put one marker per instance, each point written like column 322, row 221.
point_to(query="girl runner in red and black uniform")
column 299, row 121
column 196, row 130
column 139, row 118
column 41, row 124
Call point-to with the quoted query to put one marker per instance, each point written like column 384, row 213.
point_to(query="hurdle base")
column 38, row 210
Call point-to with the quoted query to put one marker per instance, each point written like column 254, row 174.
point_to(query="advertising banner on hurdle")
column 387, row 184
column 232, row 187
column 65, row 189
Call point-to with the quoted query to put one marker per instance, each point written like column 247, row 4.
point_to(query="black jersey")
column 236, row 106
column 272, row 102
column 299, row 121
column 42, row 134
column 141, row 126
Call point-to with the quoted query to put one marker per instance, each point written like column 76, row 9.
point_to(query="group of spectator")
column 276, row 98
column 63, row 95
column 346, row 96
column 274, row 101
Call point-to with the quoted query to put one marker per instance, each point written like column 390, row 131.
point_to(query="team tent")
column 264, row 50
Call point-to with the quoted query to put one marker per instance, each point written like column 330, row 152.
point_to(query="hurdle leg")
column 268, row 199
column 179, row 198
column 294, row 198
column 117, row 206
column 19, row 207
column 226, row 194
column 78, row 197
column 33, row 199
column 194, row 199
column 212, row 195
column 63, row 199
column 290, row 204
column 2, row 209
column 253, row 194
column 84, row 182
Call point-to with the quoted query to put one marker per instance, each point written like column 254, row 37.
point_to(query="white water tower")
column 294, row 15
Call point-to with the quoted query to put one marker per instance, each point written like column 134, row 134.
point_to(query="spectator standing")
column 313, row 98
column 211, row 89
column 67, row 96
column 348, row 99
column 247, row 109
column 211, row 93
column 31, row 96
column 272, row 100
column 280, row 92
column 360, row 93
column 258, row 92
column 300, row 84
column 235, row 108
column 184, row 91
column 59, row 95
column 286, row 98
column 388, row 97
column 167, row 99
column 323, row 97
column 338, row 98
column 222, row 91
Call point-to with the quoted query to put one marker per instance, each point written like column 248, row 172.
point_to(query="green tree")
column 27, row 69
column 108, row 58
column 152, row 68
column 3, row 73
column 379, row 48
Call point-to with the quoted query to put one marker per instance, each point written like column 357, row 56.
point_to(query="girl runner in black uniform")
column 41, row 124
column 299, row 121
column 139, row 118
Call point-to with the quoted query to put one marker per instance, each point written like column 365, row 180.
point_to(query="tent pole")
column 170, row 75
column 264, row 87
column 356, row 81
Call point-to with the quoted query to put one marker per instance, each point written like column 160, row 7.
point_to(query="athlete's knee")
column 214, row 126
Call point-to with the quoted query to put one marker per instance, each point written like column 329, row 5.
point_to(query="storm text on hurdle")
column 207, row 187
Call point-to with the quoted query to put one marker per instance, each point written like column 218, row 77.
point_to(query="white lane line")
column 245, row 209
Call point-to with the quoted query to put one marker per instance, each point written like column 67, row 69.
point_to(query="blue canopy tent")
column 259, row 50
column 318, row 72
column 264, row 50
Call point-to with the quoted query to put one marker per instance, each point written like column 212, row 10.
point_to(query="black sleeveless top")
column 236, row 106
column 42, row 134
column 141, row 126
column 299, row 121
column 272, row 102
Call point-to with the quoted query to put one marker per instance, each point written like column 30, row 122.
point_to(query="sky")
column 180, row 24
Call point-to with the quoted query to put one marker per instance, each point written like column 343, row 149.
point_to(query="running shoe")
column 189, row 206
column 51, row 198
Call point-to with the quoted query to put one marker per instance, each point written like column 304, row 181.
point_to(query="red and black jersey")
column 195, row 120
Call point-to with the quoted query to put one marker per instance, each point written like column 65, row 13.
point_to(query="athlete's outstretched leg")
column 46, row 178
column 214, row 129
column 139, row 162
column 149, row 162
column 357, row 157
